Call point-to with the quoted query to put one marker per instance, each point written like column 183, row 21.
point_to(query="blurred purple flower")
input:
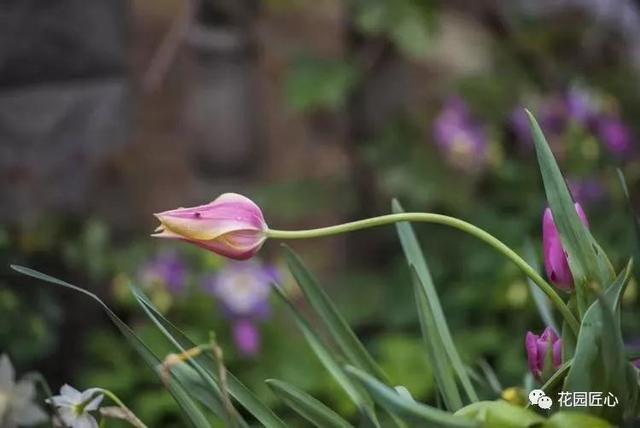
column 615, row 135
column 551, row 116
column 243, row 288
column 246, row 337
column 167, row 269
column 459, row 136
column 587, row 191
column 581, row 105
column 555, row 114
column 537, row 348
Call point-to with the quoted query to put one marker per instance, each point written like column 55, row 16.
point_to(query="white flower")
column 74, row 406
column 16, row 399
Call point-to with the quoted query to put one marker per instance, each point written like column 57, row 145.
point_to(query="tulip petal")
column 532, row 353
column 537, row 351
column 231, row 225
column 238, row 246
column 163, row 232
column 556, row 262
column 227, row 213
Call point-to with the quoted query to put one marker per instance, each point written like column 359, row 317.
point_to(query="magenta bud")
column 556, row 263
column 537, row 352
column 232, row 226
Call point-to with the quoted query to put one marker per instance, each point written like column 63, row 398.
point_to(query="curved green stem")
column 447, row 221
column 131, row 417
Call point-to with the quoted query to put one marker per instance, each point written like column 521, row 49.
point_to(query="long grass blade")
column 543, row 304
column 430, row 310
column 237, row 389
column 418, row 415
column 326, row 357
column 310, row 408
column 190, row 410
column 346, row 339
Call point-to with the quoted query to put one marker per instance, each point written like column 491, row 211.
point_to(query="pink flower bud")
column 232, row 226
column 556, row 263
column 537, row 349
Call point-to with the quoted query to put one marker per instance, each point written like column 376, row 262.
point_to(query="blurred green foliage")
column 315, row 83
column 406, row 23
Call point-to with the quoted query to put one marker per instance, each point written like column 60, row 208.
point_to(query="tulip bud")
column 544, row 353
column 232, row 226
column 556, row 263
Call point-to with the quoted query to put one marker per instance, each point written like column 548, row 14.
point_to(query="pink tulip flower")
column 556, row 263
column 232, row 226
column 537, row 348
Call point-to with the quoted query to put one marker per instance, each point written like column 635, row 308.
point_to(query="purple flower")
column 553, row 121
column 588, row 191
column 555, row 257
column 246, row 337
column 555, row 113
column 243, row 288
column 537, row 351
column 615, row 135
column 553, row 116
column 581, row 105
column 167, row 269
column 459, row 136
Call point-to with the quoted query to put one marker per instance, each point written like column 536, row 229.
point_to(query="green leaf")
column 434, row 325
column 206, row 382
column 208, row 397
column 635, row 222
column 442, row 370
column 575, row 419
column 569, row 336
column 190, row 409
column 600, row 363
column 419, row 415
column 326, row 357
column 206, row 362
column 307, row 406
column 490, row 376
column 346, row 339
column 614, row 296
column 552, row 386
column 500, row 414
column 586, row 259
column 543, row 304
